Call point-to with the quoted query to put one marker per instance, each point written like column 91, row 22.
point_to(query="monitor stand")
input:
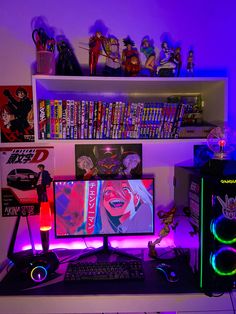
column 107, row 250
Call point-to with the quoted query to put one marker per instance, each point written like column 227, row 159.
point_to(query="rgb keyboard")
column 118, row 270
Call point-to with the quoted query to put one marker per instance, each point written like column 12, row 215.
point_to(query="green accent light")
column 214, row 231
column 213, row 262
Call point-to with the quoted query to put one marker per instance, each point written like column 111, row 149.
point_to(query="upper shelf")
column 129, row 85
column 212, row 90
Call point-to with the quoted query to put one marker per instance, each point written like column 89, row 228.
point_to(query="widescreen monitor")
column 103, row 207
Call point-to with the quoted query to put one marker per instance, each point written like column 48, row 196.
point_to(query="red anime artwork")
column 16, row 114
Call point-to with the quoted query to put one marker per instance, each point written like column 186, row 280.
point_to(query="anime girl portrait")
column 126, row 206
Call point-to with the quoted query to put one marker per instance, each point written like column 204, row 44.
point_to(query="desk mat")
column 155, row 282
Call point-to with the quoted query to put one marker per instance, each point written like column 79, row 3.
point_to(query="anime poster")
column 20, row 167
column 111, row 206
column 16, row 114
column 108, row 160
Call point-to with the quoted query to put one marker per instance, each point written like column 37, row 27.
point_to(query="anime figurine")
column 67, row 63
column 148, row 50
column 130, row 58
column 178, row 60
column 166, row 65
column 42, row 182
column 113, row 60
column 190, row 63
column 96, row 45
column 167, row 219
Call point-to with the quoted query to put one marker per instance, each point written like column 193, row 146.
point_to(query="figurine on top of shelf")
column 190, row 63
column 66, row 63
column 96, row 45
column 166, row 65
column 130, row 58
column 147, row 48
column 113, row 60
column 178, row 60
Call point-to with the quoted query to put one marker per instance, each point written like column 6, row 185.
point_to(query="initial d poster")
column 19, row 176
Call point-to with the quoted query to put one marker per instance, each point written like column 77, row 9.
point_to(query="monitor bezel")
column 71, row 236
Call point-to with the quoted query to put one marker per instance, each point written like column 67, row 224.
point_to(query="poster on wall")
column 19, row 178
column 16, row 114
column 108, row 160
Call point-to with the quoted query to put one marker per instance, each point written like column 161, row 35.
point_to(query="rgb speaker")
column 217, row 233
column 35, row 267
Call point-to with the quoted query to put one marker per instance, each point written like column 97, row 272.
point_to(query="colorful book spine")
column 75, row 120
column 42, row 119
column 72, row 126
column 64, row 119
column 56, row 119
column 79, row 118
column 95, row 114
column 52, row 119
column 82, row 119
column 90, row 120
column 68, row 119
column 99, row 119
column 48, row 118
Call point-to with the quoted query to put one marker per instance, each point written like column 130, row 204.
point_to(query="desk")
column 151, row 295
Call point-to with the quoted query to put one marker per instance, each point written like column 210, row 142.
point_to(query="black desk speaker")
column 36, row 267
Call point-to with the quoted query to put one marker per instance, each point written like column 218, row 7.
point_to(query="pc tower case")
column 208, row 202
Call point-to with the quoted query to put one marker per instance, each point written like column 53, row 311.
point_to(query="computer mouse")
column 168, row 271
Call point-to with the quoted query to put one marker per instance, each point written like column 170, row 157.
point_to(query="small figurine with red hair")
column 96, row 45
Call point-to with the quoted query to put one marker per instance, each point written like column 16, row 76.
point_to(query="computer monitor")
column 111, row 207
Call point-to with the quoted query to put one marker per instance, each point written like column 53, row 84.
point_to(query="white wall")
column 205, row 26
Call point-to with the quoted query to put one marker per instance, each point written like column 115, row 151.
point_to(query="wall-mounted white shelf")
column 143, row 89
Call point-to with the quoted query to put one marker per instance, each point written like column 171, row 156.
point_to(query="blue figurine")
column 147, row 48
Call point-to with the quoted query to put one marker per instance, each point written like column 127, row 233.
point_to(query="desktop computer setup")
column 125, row 207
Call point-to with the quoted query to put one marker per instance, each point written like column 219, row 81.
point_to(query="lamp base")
column 45, row 240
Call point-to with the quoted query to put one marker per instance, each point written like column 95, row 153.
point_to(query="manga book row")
column 78, row 119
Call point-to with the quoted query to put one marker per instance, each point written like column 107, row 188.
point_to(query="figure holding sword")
column 96, row 44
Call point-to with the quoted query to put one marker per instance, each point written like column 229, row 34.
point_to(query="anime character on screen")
column 126, row 207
